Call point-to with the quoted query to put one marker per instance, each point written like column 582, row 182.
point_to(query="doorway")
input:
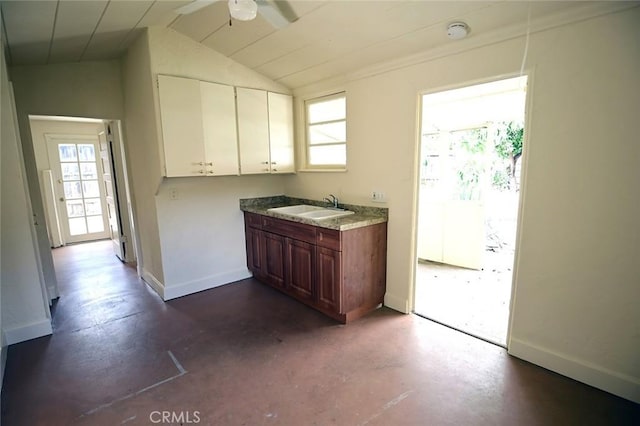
column 470, row 155
column 78, row 187
column 81, row 166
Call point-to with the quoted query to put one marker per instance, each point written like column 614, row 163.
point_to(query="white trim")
column 619, row 384
column 153, row 282
column 396, row 303
column 27, row 332
column 212, row 281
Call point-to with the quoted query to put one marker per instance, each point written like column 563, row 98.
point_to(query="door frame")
column 524, row 165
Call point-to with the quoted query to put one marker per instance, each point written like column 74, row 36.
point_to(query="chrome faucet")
column 333, row 200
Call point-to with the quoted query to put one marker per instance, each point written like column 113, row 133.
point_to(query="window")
column 327, row 132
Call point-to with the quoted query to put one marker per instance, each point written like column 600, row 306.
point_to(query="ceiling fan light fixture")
column 243, row 10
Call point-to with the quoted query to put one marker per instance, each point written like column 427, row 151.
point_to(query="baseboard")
column 212, row 281
column 153, row 282
column 618, row 384
column 396, row 303
column 28, row 332
column 3, row 363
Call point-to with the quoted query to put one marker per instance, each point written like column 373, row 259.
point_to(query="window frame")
column 307, row 145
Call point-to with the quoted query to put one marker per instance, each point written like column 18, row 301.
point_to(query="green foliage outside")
column 508, row 147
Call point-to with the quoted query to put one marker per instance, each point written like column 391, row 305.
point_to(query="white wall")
column 24, row 311
column 577, row 284
column 197, row 241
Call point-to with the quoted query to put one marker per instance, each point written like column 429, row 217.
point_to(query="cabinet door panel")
column 181, row 115
column 253, row 130
column 300, row 263
column 329, row 279
column 281, row 133
column 219, row 128
column 274, row 252
column 254, row 251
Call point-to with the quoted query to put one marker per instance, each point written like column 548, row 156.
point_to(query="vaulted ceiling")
column 330, row 38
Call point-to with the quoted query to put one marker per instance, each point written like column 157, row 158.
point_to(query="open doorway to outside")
column 469, row 189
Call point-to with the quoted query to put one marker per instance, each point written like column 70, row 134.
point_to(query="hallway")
column 244, row 354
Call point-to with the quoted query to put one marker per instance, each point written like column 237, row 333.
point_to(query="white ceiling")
column 330, row 38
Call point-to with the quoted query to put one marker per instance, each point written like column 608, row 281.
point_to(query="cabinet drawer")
column 329, row 238
column 297, row 231
column 253, row 220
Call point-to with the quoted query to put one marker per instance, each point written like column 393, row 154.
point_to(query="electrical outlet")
column 378, row 197
column 173, row 194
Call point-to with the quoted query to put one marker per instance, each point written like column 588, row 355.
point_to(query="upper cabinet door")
column 253, row 130
column 181, row 115
column 219, row 127
column 281, row 133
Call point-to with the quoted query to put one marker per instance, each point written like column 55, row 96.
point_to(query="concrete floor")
column 476, row 302
column 244, row 354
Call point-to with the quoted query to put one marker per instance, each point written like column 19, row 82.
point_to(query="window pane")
column 90, row 188
column 95, row 224
column 72, row 190
column 88, row 171
column 70, row 171
column 327, row 133
column 333, row 109
column 92, row 206
column 67, row 152
column 75, row 208
column 77, row 226
column 329, row 155
column 86, row 152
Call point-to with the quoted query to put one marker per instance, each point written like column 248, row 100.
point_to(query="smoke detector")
column 457, row 30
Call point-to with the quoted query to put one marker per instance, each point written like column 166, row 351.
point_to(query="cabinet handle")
column 265, row 170
column 200, row 163
column 201, row 172
column 265, row 162
column 273, row 162
column 275, row 170
column 209, row 163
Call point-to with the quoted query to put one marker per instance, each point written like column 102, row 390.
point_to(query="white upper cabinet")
column 181, row 114
column 198, row 127
column 281, row 133
column 265, row 131
column 211, row 129
column 219, row 127
column 253, row 130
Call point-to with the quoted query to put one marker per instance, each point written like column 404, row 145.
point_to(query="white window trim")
column 320, row 167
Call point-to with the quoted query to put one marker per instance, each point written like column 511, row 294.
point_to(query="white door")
column 79, row 187
column 111, row 194
column 451, row 220
column 281, row 133
column 253, row 131
column 181, row 116
column 219, row 129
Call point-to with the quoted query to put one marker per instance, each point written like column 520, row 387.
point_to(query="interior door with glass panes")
column 79, row 188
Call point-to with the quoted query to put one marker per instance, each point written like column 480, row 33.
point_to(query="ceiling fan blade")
column 278, row 13
column 193, row 6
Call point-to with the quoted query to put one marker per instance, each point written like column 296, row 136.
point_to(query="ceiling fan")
column 277, row 12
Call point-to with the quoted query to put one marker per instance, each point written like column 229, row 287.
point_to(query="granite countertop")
column 363, row 216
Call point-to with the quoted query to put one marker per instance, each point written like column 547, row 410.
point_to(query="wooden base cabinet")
column 339, row 273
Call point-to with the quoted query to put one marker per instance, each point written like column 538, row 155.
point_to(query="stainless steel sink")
column 311, row 212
